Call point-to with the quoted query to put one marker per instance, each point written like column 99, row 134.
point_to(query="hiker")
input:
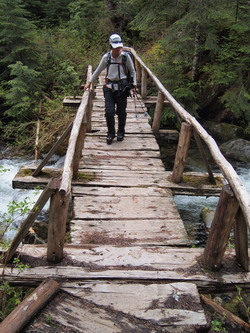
column 120, row 78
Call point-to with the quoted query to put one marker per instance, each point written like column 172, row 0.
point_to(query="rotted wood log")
column 182, row 152
column 26, row 310
column 222, row 224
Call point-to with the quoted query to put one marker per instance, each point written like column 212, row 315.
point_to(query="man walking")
column 120, row 78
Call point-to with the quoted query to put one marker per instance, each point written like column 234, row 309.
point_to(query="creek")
column 189, row 206
column 8, row 170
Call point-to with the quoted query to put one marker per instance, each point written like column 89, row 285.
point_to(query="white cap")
column 115, row 41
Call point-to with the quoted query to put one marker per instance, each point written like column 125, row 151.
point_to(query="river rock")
column 207, row 216
column 238, row 149
column 223, row 132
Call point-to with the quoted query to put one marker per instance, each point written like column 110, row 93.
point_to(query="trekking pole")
column 133, row 96
column 143, row 107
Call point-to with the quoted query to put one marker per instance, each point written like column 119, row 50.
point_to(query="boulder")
column 223, row 132
column 237, row 149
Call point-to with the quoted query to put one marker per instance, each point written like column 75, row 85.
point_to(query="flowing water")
column 189, row 206
column 8, row 195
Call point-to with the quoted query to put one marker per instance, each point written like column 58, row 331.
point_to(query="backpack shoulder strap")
column 108, row 61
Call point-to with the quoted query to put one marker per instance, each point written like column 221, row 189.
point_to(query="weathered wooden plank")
column 98, row 308
column 129, row 143
column 134, row 207
column 112, row 191
column 106, row 154
column 176, row 304
column 135, row 126
column 196, row 183
column 117, row 163
column 142, row 263
column 130, row 232
column 123, row 178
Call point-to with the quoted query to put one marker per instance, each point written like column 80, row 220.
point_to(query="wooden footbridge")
column 128, row 265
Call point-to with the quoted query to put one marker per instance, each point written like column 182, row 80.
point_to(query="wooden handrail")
column 68, row 164
column 226, row 168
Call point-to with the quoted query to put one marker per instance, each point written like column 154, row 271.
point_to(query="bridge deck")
column 132, row 203
column 129, row 267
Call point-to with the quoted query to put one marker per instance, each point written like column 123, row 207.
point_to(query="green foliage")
column 195, row 48
column 80, row 13
column 17, row 37
column 15, row 211
column 218, row 326
column 12, row 296
column 24, row 92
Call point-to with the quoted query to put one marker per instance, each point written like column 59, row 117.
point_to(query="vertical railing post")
column 222, row 224
column 59, row 205
column 89, row 112
column 144, row 76
column 241, row 240
column 158, row 112
column 138, row 71
column 182, row 152
column 78, row 149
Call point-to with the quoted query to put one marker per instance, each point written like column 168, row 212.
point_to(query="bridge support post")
column 59, row 205
column 158, row 112
column 144, row 76
column 89, row 111
column 78, row 149
column 138, row 71
column 222, row 224
column 182, row 152
column 241, row 240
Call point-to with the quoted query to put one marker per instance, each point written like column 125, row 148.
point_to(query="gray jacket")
column 113, row 72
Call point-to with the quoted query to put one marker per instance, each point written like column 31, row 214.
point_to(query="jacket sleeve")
column 102, row 65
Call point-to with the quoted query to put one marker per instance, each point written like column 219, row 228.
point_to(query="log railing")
column 236, row 193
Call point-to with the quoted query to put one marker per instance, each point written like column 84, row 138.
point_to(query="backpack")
column 123, row 63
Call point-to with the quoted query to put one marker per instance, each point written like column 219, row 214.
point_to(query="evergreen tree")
column 24, row 92
column 200, row 50
column 88, row 19
column 17, row 37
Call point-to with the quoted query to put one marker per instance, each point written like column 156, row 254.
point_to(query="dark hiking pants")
column 115, row 103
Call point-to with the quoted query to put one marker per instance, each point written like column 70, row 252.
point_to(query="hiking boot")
column 110, row 139
column 120, row 136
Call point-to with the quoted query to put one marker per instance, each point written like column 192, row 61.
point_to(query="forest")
column 199, row 49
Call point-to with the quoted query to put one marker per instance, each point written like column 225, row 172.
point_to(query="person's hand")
column 133, row 90
column 87, row 85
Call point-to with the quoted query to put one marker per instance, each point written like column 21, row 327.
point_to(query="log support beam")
column 59, row 205
column 182, row 152
column 158, row 112
column 241, row 240
column 222, row 224
column 144, row 76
